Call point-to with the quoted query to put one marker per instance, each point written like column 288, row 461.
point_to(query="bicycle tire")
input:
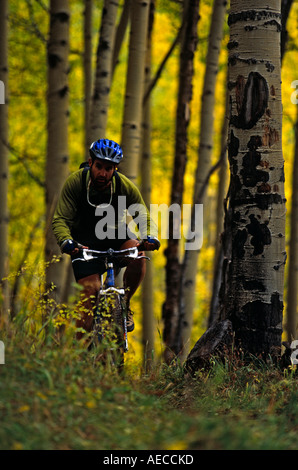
column 118, row 314
column 110, row 324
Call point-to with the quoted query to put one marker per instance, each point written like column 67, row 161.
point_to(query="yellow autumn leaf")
column 23, row 409
column 177, row 445
column 17, row 446
column 91, row 404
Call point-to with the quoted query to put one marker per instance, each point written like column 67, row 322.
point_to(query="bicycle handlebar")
column 110, row 253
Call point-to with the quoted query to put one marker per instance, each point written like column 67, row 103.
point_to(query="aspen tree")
column 4, row 150
column 292, row 293
column 132, row 116
column 190, row 262
column 221, row 195
column 286, row 6
column 172, row 329
column 146, row 171
column 87, row 66
column 103, row 75
column 120, row 33
column 57, row 146
column 254, row 236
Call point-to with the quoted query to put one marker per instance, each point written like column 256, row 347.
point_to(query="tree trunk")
column 173, row 268
column 255, row 222
column 57, row 146
column 4, row 152
column 132, row 118
column 215, row 343
column 285, row 11
column 204, row 163
column 147, row 285
column 103, row 76
column 87, row 63
column 221, row 194
column 292, row 295
column 120, row 33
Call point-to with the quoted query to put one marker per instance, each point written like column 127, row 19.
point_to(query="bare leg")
column 133, row 276
column 91, row 285
column 134, row 273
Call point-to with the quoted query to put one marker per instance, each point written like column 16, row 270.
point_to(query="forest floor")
column 53, row 398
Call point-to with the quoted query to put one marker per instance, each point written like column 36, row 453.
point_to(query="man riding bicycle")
column 79, row 221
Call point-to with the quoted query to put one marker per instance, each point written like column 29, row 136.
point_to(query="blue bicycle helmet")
column 106, row 149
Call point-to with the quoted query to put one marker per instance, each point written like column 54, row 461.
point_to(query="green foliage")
column 27, row 87
column 54, row 396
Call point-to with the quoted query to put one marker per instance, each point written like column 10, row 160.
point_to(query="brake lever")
column 87, row 256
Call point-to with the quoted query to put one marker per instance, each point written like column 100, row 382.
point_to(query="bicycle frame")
column 108, row 287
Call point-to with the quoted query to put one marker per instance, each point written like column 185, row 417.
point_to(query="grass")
column 53, row 397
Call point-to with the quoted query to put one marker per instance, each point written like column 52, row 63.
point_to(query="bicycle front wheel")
column 118, row 322
column 110, row 330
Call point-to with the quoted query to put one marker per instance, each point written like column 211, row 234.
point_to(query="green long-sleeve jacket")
column 80, row 217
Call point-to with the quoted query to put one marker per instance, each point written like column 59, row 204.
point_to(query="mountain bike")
column 109, row 332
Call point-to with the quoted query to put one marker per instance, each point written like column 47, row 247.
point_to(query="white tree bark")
column 4, row 217
column 172, row 316
column 132, row 118
column 87, row 63
column 255, row 223
column 57, row 146
column 148, row 322
column 103, row 76
column 292, row 294
column 204, row 161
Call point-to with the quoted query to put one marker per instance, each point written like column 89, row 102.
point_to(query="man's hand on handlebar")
column 149, row 244
column 71, row 247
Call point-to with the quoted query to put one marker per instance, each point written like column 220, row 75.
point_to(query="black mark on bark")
column 250, row 174
column 251, row 100
column 233, row 150
column 261, row 235
column 63, row 92
column 238, row 243
column 62, row 16
column 255, row 15
column 258, row 326
column 53, row 60
column 252, row 284
column 261, row 315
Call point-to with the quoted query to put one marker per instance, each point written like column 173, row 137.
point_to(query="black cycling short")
column 83, row 268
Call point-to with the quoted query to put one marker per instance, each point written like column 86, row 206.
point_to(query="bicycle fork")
column 110, row 289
